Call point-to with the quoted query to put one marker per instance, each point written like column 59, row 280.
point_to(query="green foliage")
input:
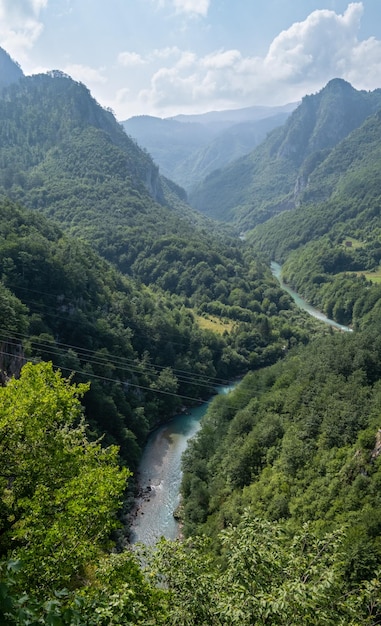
column 263, row 577
column 59, row 498
column 273, row 177
column 297, row 442
column 59, row 492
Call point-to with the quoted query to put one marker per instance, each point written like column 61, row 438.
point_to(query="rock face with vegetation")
column 119, row 304
column 10, row 71
column 271, row 178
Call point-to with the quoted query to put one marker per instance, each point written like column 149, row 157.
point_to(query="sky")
column 166, row 57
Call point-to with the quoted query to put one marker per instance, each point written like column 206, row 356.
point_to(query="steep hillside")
column 187, row 148
column 59, row 301
column 10, row 71
column 330, row 244
column 65, row 156
column 272, row 178
column 44, row 112
column 206, row 315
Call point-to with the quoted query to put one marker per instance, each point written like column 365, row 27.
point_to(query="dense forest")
column 330, row 244
column 272, row 178
column 120, row 305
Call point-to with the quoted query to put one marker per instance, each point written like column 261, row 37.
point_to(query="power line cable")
column 108, row 379
column 135, row 330
column 120, row 362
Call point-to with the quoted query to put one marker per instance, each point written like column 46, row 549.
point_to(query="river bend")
column 302, row 304
column 159, row 476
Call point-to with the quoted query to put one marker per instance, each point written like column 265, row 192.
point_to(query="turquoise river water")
column 277, row 272
column 160, row 466
column 160, row 476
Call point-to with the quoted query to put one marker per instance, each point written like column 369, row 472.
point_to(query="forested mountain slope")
column 298, row 445
column 186, row 151
column 271, row 178
column 331, row 243
column 282, row 482
column 63, row 156
column 146, row 352
column 62, row 303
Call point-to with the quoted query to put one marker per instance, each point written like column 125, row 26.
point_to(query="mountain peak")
column 335, row 83
column 10, row 71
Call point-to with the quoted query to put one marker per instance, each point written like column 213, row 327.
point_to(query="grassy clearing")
column 374, row 277
column 214, row 323
column 351, row 242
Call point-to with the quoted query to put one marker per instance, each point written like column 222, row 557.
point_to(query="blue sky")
column 164, row 57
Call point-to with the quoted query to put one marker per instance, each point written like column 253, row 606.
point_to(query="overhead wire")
column 137, row 332
column 108, row 379
column 132, row 365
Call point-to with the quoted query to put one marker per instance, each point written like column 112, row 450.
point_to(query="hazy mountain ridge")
column 278, row 170
column 229, row 117
column 188, row 147
column 10, row 71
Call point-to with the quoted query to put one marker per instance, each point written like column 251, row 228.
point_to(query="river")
column 160, row 466
column 159, row 476
column 277, row 272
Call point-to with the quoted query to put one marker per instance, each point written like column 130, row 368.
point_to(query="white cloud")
column 37, row 5
column 165, row 53
column 197, row 7
column 223, row 59
column 300, row 60
column 364, row 69
column 85, row 74
column 20, row 26
column 188, row 7
column 321, row 45
column 130, row 59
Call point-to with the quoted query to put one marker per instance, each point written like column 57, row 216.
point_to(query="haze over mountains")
column 272, row 178
column 188, row 147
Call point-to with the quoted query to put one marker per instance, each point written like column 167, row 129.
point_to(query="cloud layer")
column 20, row 26
column 188, row 7
column 148, row 77
column 299, row 60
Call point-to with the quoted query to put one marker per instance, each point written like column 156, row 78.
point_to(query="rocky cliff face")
column 152, row 183
column 276, row 174
column 12, row 359
column 326, row 118
column 10, row 71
